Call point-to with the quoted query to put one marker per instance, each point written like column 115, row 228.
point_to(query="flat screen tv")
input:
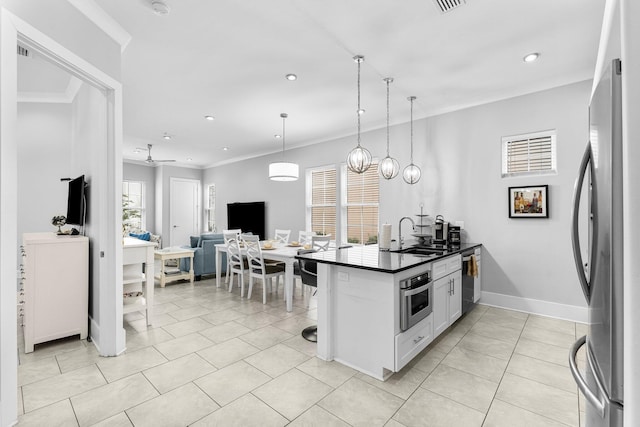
column 76, row 201
column 249, row 217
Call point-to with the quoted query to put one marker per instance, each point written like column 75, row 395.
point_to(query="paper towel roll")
column 385, row 237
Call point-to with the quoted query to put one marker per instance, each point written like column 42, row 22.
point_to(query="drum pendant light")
column 412, row 172
column 359, row 159
column 283, row 171
column 389, row 167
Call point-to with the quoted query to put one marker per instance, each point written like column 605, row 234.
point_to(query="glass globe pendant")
column 411, row 173
column 389, row 167
column 359, row 159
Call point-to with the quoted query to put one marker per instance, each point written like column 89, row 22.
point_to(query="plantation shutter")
column 529, row 154
column 362, row 201
column 323, row 201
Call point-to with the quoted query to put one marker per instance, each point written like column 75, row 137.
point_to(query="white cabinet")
column 137, row 277
column 55, row 286
column 447, row 293
column 413, row 341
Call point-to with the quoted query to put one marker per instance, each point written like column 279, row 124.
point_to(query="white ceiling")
column 229, row 58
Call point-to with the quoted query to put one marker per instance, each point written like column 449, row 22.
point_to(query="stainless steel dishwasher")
column 470, row 283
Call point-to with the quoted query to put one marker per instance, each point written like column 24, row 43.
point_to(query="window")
column 133, row 212
column 531, row 154
column 210, row 210
column 360, row 199
column 321, row 200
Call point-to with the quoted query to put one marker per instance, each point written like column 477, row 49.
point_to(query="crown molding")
column 103, row 20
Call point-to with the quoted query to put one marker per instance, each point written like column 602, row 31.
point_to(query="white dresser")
column 55, row 287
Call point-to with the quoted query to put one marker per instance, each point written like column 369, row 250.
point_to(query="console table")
column 174, row 253
column 137, row 284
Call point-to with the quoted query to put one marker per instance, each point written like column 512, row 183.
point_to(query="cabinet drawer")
column 413, row 341
column 446, row 266
column 134, row 255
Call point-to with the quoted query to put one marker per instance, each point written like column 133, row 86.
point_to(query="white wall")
column 44, row 156
column 527, row 260
column 146, row 174
column 87, row 154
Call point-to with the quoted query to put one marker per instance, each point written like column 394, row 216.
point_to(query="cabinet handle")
column 416, row 341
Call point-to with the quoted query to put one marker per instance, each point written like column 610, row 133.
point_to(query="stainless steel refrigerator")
column 600, row 275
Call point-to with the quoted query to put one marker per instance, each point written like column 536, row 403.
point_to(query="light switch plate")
column 343, row 277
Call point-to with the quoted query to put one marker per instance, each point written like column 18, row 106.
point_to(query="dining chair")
column 309, row 273
column 259, row 269
column 282, row 236
column 320, row 243
column 304, row 237
column 236, row 264
column 228, row 235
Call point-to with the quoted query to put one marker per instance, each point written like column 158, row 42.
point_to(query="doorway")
column 184, row 211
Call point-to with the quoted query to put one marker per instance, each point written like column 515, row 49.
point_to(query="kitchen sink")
column 420, row 251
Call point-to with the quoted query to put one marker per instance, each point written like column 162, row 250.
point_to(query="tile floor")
column 214, row 359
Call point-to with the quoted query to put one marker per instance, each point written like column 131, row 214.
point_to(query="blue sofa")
column 204, row 257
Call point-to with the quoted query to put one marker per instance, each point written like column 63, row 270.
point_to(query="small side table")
column 174, row 253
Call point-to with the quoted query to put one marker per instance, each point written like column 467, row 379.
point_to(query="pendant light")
column 359, row 159
column 389, row 167
column 412, row 172
column 283, row 171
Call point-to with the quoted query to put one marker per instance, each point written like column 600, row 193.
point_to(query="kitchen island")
column 359, row 304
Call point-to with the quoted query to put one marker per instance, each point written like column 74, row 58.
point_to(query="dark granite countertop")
column 370, row 257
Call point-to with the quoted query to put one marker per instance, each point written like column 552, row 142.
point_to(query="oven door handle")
column 411, row 292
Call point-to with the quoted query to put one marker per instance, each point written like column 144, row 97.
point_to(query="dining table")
column 283, row 252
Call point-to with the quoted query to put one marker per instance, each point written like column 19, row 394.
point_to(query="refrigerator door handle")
column 597, row 402
column 575, row 235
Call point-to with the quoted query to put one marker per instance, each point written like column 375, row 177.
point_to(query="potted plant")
column 127, row 215
column 59, row 221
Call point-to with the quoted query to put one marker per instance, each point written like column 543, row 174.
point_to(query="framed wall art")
column 529, row 202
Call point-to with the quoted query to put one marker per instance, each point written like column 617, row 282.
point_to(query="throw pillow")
column 142, row 236
column 194, row 241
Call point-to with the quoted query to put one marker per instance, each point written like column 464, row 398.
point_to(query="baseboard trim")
column 94, row 333
column 572, row 313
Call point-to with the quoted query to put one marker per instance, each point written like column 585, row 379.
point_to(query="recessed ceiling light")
column 225, row 148
column 291, row 77
column 360, row 111
column 136, row 151
column 210, row 118
column 160, row 7
column 277, row 136
column 166, row 136
column 189, row 159
column 531, row 57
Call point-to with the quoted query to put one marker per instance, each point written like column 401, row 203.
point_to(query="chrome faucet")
column 413, row 227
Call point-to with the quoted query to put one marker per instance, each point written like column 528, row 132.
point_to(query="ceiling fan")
column 150, row 159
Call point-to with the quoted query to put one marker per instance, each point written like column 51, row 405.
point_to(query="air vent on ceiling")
column 23, row 51
column 449, row 5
